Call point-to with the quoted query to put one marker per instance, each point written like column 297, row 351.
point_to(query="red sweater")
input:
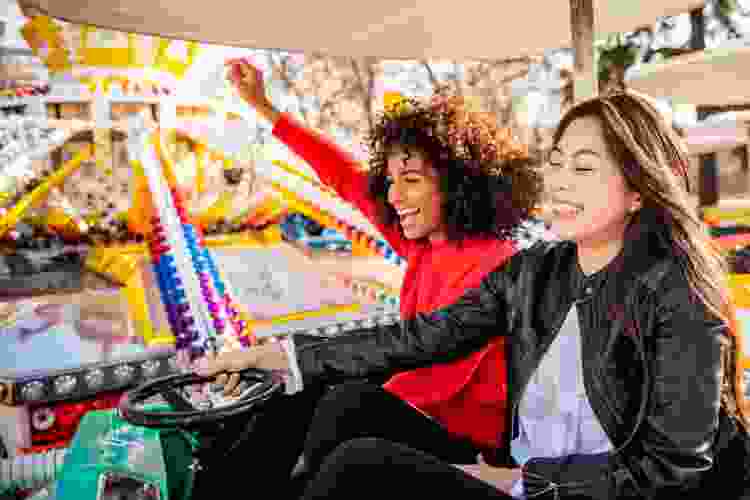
column 467, row 396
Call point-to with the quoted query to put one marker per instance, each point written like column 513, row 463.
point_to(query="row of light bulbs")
column 335, row 329
column 65, row 385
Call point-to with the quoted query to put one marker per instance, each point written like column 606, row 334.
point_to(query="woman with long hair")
column 622, row 356
column 451, row 192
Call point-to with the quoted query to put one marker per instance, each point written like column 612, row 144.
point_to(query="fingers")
column 246, row 71
column 209, row 365
column 234, row 74
column 232, row 384
column 242, row 70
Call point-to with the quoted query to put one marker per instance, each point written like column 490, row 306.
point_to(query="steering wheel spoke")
column 178, row 400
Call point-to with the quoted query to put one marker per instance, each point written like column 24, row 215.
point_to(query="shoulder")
column 543, row 258
column 545, row 253
column 675, row 300
column 667, row 282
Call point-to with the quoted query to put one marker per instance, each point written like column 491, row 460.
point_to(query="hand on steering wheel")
column 270, row 356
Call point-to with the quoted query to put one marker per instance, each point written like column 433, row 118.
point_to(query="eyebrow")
column 584, row 151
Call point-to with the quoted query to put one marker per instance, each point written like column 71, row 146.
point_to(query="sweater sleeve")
column 338, row 170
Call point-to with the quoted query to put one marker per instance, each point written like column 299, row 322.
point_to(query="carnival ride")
column 79, row 240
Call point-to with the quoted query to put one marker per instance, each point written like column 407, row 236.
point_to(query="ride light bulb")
column 151, row 367
column 33, row 391
column 332, row 330
column 124, row 373
column 65, row 384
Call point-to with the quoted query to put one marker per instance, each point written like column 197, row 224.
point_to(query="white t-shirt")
column 555, row 418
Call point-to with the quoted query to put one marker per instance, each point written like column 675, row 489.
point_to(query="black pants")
column 362, row 410
column 380, row 469
column 264, row 457
column 317, row 421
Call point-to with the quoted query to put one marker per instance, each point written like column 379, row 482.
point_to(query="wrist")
column 275, row 358
column 269, row 112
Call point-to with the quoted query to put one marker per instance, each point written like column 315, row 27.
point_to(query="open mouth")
column 408, row 215
column 559, row 208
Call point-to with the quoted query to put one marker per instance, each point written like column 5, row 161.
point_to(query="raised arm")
column 335, row 167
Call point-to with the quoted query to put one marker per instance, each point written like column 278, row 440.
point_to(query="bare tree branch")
column 430, row 74
column 515, row 76
column 280, row 71
column 365, row 89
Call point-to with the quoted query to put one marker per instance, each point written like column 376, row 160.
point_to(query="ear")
column 636, row 203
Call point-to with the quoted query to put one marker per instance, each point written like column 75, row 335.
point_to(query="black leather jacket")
column 651, row 355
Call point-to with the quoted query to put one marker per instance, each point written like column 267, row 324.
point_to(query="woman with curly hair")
column 446, row 188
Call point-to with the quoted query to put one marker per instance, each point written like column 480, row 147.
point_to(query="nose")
column 395, row 193
column 556, row 181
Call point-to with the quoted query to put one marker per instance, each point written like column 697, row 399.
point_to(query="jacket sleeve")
column 338, row 170
column 676, row 439
column 440, row 336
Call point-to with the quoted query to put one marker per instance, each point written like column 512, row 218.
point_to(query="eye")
column 554, row 159
column 584, row 165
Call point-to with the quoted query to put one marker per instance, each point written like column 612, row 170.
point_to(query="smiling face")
column 589, row 201
column 414, row 192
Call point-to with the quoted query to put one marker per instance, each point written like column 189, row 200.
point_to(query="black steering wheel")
column 257, row 386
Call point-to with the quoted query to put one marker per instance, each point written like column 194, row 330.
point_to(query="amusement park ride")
column 126, row 248
column 129, row 249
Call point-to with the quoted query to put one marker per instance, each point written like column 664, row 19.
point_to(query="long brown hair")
column 654, row 162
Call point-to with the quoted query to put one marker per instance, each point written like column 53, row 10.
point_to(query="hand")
column 248, row 81
column 501, row 478
column 51, row 313
column 270, row 356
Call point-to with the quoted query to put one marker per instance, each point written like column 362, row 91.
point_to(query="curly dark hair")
column 488, row 180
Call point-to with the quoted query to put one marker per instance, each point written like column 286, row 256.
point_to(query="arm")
column 440, row 336
column 336, row 169
column 686, row 371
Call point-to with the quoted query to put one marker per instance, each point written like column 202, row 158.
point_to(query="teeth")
column 559, row 209
column 408, row 212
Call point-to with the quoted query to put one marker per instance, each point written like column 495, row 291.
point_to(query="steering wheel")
column 259, row 387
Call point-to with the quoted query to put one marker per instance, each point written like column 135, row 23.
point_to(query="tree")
column 335, row 95
column 658, row 42
column 340, row 96
column 725, row 12
column 487, row 81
